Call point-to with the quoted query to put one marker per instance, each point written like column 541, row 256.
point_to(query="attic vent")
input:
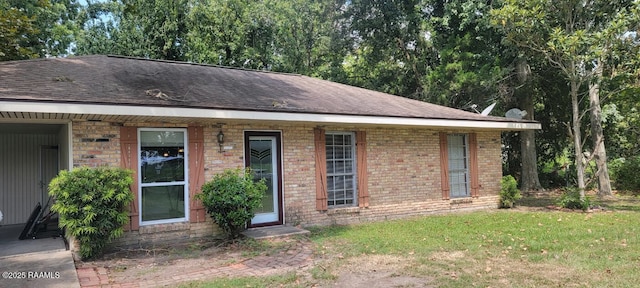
column 157, row 93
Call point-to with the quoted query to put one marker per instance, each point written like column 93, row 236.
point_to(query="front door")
column 262, row 155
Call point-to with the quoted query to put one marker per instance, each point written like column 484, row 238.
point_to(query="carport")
column 32, row 153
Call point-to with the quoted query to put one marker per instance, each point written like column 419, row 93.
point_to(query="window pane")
column 330, row 167
column 162, row 156
column 348, row 140
column 339, row 150
column 339, row 166
column 348, row 183
column 348, row 167
column 331, row 194
column 164, row 202
column 338, row 139
column 162, row 160
column 261, row 164
column 339, row 182
column 328, row 139
column 340, row 169
column 330, row 152
column 458, row 166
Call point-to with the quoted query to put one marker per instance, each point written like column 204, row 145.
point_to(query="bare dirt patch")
column 150, row 263
column 372, row 271
column 177, row 264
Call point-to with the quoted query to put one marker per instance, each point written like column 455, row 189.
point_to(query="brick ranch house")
column 332, row 153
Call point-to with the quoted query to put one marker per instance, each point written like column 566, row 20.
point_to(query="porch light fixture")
column 220, row 140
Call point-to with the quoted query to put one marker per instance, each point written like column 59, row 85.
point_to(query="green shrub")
column 231, row 199
column 571, row 199
column 509, row 192
column 626, row 176
column 614, row 166
column 91, row 203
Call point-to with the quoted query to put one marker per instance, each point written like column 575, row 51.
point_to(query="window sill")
column 164, row 228
column 343, row 210
column 461, row 201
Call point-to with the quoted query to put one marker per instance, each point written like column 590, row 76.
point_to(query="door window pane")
column 262, row 167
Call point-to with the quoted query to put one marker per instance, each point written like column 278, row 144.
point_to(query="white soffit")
column 94, row 109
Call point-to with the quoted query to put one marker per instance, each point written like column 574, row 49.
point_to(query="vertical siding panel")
column 20, row 174
column 4, row 195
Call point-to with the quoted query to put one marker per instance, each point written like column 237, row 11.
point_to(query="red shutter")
column 321, row 169
column 473, row 164
column 129, row 160
column 361, row 157
column 196, row 173
column 444, row 166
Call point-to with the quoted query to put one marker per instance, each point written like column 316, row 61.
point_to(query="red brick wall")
column 403, row 171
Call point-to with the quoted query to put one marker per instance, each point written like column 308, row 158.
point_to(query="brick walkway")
column 297, row 256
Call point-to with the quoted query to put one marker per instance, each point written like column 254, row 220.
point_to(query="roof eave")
column 223, row 114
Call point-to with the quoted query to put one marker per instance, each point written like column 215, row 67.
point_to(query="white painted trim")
column 95, row 109
column 70, row 145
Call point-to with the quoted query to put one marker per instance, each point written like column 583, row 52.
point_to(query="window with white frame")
column 163, row 175
column 341, row 169
column 458, row 165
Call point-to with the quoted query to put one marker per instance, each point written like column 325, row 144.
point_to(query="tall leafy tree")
column 101, row 31
column 574, row 36
column 217, row 32
column 162, row 23
column 473, row 63
column 305, row 34
column 151, row 29
column 38, row 28
column 14, row 26
column 475, row 68
column 392, row 50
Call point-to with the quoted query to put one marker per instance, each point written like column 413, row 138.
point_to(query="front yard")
column 531, row 246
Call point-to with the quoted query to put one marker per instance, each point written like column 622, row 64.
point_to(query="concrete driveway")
column 42, row 262
column 51, row 269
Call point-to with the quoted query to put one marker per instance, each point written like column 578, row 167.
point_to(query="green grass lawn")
column 497, row 248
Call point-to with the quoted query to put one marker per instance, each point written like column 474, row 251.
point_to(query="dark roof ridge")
column 29, row 60
column 197, row 64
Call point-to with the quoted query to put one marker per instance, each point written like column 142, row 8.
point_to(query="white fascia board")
column 94, row 109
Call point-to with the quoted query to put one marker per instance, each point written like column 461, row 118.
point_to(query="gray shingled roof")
column 132, row 81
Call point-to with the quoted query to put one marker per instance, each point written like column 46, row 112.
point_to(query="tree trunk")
column 599, row 151
column 577, row 137
column 529, row 178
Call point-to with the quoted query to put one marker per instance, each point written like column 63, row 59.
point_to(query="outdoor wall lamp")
column 220, row 140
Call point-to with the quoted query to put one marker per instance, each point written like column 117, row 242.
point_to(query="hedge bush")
column 91, row 203
column 570, row 199
column 626, row 176
column 231, row 199
column 509, row 192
